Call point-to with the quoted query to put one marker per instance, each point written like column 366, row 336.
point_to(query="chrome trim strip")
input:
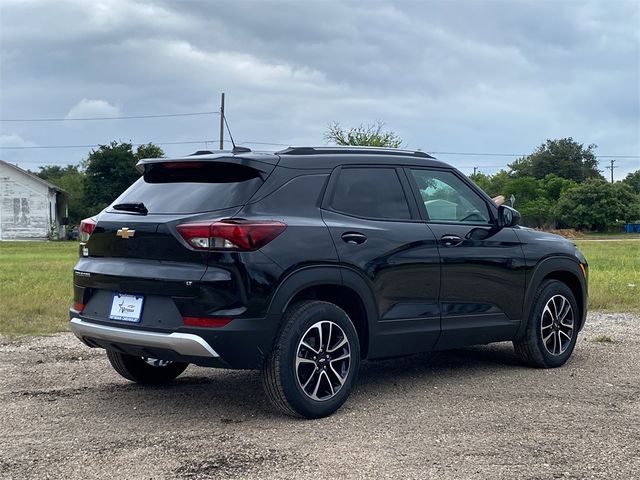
column 182, row 343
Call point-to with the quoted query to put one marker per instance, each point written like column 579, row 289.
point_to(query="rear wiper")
column 132, row 207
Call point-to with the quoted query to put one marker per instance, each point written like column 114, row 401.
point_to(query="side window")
column 371, row 193
column 449, row 199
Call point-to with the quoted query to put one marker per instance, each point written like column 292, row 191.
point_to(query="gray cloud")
column 446, row 76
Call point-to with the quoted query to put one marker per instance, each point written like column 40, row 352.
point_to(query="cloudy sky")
column 483, row 77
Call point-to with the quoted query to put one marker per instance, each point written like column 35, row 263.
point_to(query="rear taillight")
column 245, row 235
column 78, row 307
column 86, row 228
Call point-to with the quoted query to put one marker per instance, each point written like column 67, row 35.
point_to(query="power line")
column 129, row 117
column 244, row 142
column 478, row 154
column 95, row 145
column 482, row 154
column 485, row 154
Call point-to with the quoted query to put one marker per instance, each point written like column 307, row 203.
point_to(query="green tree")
column 564, row 157
column 531, row 201
column 633, row 180
column 111, row 169
column 598, row 205
column 554, row 186
column 54, row 172
column 482, row 180
column 493, row 185
column 524, row 189
column 535, row 199
column 538, row 213
column 370, row 135
column 71, row 179
column 148, row 150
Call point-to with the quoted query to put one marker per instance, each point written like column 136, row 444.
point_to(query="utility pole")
column 222, row 122
column 475, row 170
column 611, row 167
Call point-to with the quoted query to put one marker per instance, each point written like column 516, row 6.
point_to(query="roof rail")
column 352, row 150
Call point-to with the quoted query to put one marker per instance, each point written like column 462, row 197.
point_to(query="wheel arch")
column 565, row 270
column 332, row 284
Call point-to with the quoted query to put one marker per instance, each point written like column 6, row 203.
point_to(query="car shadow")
column 431, row 368
column 458, row 361
column 235, row 396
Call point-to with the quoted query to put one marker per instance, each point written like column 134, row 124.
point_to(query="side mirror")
column 507, row 216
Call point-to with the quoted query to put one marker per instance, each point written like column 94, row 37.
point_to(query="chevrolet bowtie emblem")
column 124, row 232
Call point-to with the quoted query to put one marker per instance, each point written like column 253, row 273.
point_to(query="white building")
column 440, row 209
column 30, row 208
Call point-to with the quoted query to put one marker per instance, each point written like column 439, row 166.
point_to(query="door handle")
column 451, row 240
column 354, row 238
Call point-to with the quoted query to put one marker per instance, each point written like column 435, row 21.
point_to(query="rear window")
column 192, row 187
column 371, row 193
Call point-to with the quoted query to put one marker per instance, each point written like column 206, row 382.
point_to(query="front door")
column 482, row 266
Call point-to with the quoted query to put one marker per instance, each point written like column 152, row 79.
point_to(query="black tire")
column 282, row 378
column 138, row 370
column 532, row 348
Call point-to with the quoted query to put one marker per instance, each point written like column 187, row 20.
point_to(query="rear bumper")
column 186, row 344
column 242, row 344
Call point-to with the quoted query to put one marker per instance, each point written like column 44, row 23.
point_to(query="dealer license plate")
column 127, row 308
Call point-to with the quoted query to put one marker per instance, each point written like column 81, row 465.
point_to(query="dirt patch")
column 472, row 413
column 233, row 460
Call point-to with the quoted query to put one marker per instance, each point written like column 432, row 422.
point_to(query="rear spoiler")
column 264, row 163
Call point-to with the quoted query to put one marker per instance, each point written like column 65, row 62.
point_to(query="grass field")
column 614, row 274
column 35, row 286
column 35, row 282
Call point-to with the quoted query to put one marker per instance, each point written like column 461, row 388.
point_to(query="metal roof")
column 34, row 177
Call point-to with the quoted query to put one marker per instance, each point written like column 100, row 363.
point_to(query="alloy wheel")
column 323, row 358
column 557, row 325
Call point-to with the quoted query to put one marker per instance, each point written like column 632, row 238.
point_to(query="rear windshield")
column 192, row 187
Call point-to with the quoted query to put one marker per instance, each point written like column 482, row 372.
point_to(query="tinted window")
column 448, row 199
column 370, row 192
column 192, row 187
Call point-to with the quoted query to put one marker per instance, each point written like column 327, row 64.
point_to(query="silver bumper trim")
column 182, row 343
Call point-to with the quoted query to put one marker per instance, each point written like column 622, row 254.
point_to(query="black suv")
column 304, row 262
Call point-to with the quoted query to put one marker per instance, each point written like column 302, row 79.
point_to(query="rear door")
column 482, row 266
column 378, row 233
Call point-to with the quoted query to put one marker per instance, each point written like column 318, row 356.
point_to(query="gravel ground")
column 471, row 413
